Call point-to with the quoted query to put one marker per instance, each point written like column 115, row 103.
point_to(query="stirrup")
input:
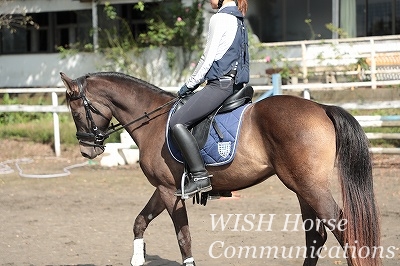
column 185, row 195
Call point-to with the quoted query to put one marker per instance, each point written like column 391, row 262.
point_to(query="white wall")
column 42, row 70
column 36, row 6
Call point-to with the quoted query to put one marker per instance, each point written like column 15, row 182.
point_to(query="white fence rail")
column 381, row 121
column 328, row 63
column 55, row 108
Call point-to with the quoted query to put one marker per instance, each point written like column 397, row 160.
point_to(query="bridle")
column 96, row 136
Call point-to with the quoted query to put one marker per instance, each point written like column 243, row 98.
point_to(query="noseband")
column 96, row 137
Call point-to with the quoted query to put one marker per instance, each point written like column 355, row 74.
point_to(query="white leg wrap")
column 188, row 261
column 138, row 252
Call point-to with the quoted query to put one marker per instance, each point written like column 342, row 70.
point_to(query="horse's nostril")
column 84, row 154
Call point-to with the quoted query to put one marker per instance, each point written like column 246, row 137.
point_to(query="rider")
column 225, row 66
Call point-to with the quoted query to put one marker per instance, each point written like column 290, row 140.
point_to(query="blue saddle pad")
column 216, row 151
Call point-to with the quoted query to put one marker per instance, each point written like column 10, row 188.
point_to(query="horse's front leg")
column 153, row 208
column 177, row 210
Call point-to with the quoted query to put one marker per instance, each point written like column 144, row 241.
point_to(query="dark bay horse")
column 298, row 140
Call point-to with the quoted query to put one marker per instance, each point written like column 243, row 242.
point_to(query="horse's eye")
column 77, row 116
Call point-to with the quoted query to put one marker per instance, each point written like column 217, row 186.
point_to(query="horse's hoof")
column 137, row 263
column 189, row 262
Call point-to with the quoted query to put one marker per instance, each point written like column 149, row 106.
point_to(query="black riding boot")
column 199, row 179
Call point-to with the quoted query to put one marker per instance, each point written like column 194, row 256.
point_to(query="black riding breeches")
column 203, row 102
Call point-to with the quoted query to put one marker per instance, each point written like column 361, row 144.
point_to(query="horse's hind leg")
column 325, row 209
column 152, row 209
column 315, row 233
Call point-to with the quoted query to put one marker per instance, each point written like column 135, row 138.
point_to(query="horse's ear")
column 69, row 84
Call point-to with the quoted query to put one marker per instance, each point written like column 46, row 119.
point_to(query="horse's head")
column 91, row 118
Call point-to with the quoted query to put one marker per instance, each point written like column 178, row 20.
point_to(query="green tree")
column 170, row 27
column 13, row 17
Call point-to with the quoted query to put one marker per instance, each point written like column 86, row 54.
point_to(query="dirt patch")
column 86, row 217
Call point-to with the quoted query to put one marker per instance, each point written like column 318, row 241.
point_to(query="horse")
column 300, row 141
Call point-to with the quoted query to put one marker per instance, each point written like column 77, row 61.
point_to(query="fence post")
column 276, row 84
column 306, row 94
column 56, row 123
column 373, row 65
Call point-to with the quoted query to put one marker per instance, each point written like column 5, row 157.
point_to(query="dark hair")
column 242, row 5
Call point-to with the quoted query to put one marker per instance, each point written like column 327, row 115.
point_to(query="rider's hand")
column 184, row 91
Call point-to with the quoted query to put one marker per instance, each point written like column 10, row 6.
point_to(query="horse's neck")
column 128, row 107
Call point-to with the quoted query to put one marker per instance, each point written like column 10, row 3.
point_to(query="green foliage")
column 110, row 11
column 74, row 49
column 7, row 118
column 37, row 127
column 173, row 24
column 340, row 32
column 313, row 34
column 42, row 131
column 168, row 25
column 381, row 112
column 276, row 62
column 14, row 17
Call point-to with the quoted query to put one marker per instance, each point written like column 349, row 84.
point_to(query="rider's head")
column 242, row 4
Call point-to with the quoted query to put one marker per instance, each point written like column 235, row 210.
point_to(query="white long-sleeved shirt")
column 221, row 33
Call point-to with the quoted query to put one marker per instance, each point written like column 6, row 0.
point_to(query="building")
column 67, row 22
column 284, row 20
column 62, row 23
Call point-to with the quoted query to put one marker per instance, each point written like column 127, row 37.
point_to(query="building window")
column 55, row 29
column 69, row 29
column 378, row 17
column 135, row 19
column 397, row 15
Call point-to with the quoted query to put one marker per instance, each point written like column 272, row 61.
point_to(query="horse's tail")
column 361, row 239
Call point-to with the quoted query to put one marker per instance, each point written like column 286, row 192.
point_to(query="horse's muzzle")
column 91, row 152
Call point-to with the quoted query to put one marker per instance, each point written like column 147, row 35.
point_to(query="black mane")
column 129, row 78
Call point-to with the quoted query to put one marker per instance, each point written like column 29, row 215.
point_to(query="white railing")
column 55, row 108
column 329, row 58
column 381, row 121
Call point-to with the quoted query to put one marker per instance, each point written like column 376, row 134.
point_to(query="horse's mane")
column 128, row 78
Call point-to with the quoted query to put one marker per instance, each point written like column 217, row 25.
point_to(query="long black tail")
column 355, row 174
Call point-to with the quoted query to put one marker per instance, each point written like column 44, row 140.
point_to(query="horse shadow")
column 151, row 260
column 155, row 260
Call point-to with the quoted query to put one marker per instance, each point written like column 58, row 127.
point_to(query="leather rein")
column 96, row 136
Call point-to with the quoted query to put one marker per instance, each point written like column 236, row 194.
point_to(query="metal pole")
column 56, row 123
column 335, row 18
column 95, row 25
column 304, row 61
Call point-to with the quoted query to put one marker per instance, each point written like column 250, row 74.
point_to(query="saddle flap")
column 201, row 130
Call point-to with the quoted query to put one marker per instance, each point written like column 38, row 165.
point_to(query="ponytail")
column 242, row 6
